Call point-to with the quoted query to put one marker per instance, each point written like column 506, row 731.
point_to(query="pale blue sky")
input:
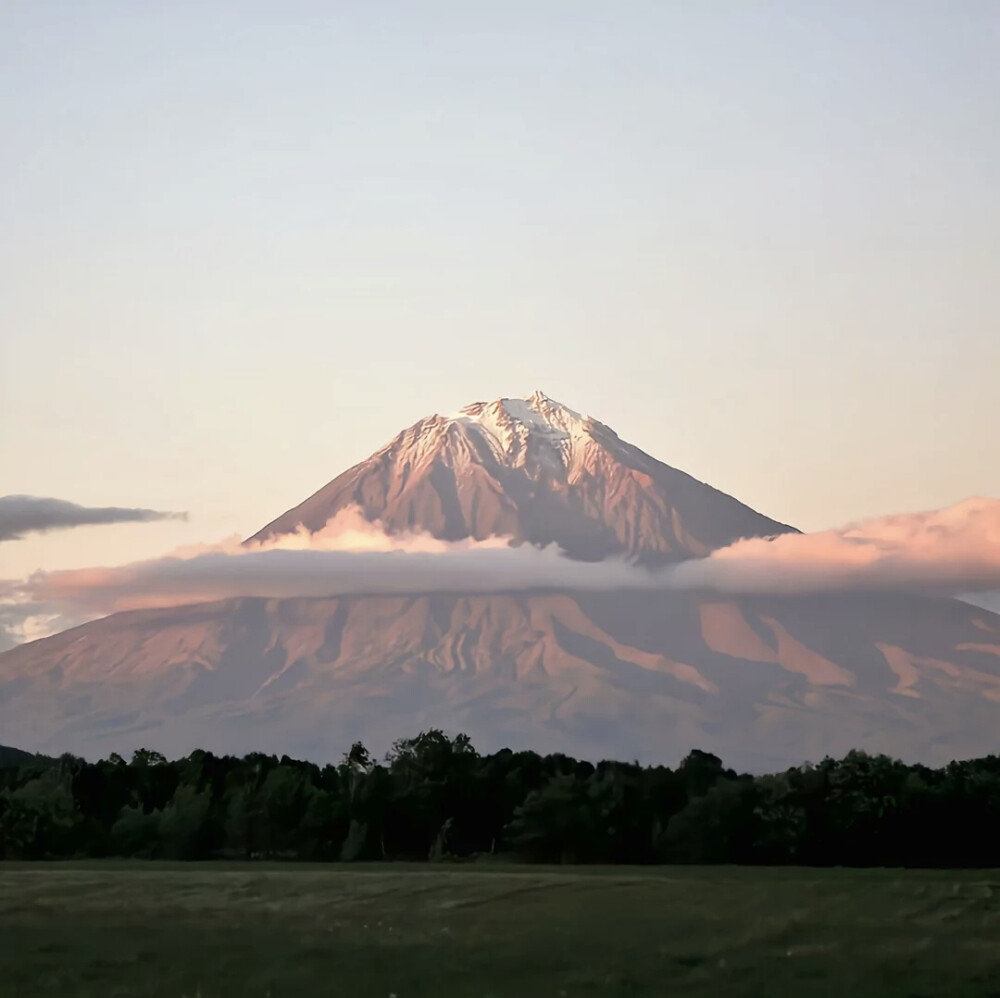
column 242, row 244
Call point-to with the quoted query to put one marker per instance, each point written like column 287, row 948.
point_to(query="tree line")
column 434, row 797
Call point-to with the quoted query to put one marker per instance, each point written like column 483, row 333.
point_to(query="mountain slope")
column 764, row 682
column 13, row 757
column 534, row 470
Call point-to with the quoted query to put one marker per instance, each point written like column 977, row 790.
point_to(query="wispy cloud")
column 951, row 551
column 21, row 515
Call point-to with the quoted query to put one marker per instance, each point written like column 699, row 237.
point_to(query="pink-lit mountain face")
column 538, row 472
column 767, row 682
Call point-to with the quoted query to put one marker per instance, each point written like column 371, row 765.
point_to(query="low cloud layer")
column 21, row 515
column 950, row 552
column 349, row 555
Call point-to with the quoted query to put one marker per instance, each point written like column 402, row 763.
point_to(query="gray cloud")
column 21, row 515
column 283, row 574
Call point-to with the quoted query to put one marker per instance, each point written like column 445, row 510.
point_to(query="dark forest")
column 435, row 798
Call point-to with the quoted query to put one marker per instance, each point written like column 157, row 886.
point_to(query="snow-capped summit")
column 506, row 426
column 536, row 471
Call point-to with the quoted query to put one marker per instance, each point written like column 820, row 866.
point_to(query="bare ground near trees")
column 97, row 929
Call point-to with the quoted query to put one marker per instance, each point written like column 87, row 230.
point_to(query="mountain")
column 538, row 472
column 766, row 682
column 13, row 757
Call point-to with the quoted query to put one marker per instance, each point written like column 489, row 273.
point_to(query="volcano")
column 540, row 473
column 764, row 682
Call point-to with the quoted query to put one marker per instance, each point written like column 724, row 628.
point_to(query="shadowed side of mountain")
column 14, row 757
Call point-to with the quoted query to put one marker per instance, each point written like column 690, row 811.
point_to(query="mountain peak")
column 531, row 408
column 511, row 428
column 538, row 472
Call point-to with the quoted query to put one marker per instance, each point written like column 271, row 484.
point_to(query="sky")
column 243, row 244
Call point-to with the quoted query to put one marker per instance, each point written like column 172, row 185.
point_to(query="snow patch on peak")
column 555, row 431
column 520, row 411
column 540, row 402
column 537, row 411
column 538, row 399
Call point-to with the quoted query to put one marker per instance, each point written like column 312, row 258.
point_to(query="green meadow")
column 156, row 929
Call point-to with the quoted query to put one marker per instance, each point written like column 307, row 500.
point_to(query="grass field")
column 219, row 930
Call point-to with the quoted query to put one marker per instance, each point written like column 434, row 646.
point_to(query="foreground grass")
column 217, row 930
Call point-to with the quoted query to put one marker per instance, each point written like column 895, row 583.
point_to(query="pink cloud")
column 952, row 550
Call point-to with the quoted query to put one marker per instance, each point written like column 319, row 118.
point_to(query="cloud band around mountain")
column 945, row 552
column 22, row 514
column 948, row 551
